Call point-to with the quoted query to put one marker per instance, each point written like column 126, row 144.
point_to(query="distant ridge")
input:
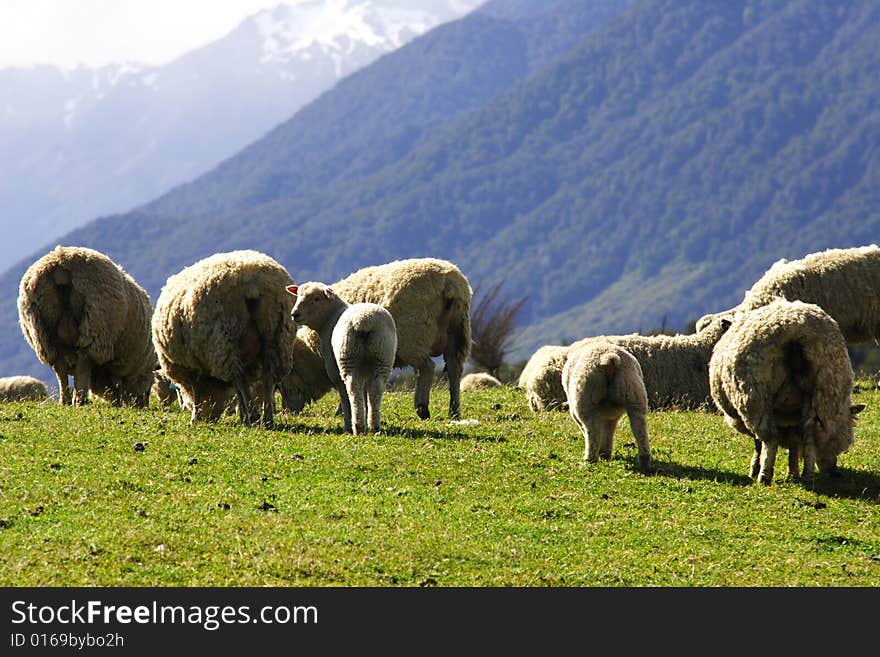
column 647, row 172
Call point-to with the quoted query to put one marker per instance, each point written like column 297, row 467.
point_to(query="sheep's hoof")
column 766, row 479
column 423, row 412
column 646, row 465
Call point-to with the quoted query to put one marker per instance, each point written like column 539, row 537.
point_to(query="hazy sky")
column 69, row 33
column 96, row 32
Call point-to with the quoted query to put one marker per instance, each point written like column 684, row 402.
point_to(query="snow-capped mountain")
column 75, row 145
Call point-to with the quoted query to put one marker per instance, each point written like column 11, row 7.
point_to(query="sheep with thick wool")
column 22, row 388
column 477, row 380
column 541, row 378
column 358, row 342
column 221, row 325
column 781, row 374
column 430, row 302
column 845, row 283
column 602, row 382
column 83, row 315
column 675, row 368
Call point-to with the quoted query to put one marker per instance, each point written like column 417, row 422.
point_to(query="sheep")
column 602, row 381
column 82, row 314
column 307, row 381
column 430, row 302
column 781, row 374
column 476, row 380
column 358, row 341
column 220, row 325
column 541, row 379
column 845, row 283
column 675, row 368
column 22, row 388
column 164, row 389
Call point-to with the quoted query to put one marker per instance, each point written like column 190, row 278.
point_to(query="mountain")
column 79, row 144
column 647, row 172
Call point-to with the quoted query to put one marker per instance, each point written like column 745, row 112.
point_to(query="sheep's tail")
column 457, row 297
column 610, row 362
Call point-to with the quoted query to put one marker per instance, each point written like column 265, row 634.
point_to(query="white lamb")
column 430, row 302
column 781, row 374
column 358, row 342
column 603, row 381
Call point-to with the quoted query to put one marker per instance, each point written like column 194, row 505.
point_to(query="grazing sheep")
column 541, row 379
column 429, row 300
column 782, row 375
column 165, row 390
column 675, row 368
column 220, row 325
column 706, row 320
column 602, row 381
column 476, row 380
column 845, row 283
column 358, row 341
column 82, row 314
column 22, row 388
column 307, row 381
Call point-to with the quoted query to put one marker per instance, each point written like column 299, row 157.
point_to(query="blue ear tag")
column 173, row 386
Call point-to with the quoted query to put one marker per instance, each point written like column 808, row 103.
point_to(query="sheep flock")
column 232, row 330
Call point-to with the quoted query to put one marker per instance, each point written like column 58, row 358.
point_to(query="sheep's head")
column 315, row 303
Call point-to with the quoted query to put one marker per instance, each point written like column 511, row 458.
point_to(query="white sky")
column 68, row 33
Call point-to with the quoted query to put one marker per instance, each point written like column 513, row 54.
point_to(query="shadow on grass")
column 412, row 432
column 388, row 430
column 695, row 473
column 850, row 484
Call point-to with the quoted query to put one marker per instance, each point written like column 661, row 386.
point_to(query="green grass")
column 503, row 502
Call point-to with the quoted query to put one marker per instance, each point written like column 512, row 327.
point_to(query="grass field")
column 118, row 497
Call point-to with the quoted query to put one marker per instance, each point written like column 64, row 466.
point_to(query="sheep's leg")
column 244, row 400
column 345, row 403
column 638, row 423
column 82, row 380
column 794, row 461
column 268, row 418
column 809, row 461
column 755, row 465
column 768, row 462
column 197, row 399
column 375, row 391
column 606, row 438
column 61, row 372
column 356, row 389
column 454, row 369
column 592, row 438
column 424, row 380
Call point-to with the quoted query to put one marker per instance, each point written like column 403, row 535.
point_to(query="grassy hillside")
column 105, row 496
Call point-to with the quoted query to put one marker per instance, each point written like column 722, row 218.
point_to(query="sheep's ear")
column 292, row 289
column 329, row 292
column 726, row 323
column 855, row 409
